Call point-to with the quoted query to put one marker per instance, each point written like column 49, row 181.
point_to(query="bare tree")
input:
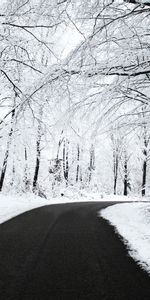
column 65, row 160
column 146, row 139
column 116, row 145
column 126, row 179
column 78, row 166
column 38, row 152
column 6, row 156
column 92, row 162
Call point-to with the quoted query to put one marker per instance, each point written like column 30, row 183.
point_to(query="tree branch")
column 9, row 79
column 25, row 64
column 142, row 2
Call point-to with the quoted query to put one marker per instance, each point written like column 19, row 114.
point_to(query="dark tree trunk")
column 144, row 173
column 116, row 163
column 145, row 3
column 37, row 166
column 125, row 177
column 38, row 154
column 65, row 161
column 145, row 154
column 26, row 180
column 13, row 174
column 81, row 179
column 4, row 166
column 115, row 185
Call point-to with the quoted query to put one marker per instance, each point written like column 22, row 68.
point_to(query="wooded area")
column 75, row 96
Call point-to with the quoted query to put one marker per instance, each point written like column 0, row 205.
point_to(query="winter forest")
column 75, row 96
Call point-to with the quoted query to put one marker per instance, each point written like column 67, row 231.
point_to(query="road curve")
column 66, row 251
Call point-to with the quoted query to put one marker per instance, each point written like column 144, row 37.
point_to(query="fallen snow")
column 132, row 222
column 15, row 204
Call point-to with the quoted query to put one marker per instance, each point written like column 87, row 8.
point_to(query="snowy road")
column 67, row 252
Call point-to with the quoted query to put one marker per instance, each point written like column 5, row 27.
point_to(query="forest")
column 74, row 97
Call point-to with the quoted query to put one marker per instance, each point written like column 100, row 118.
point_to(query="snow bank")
column 14, row 204
column 132, row 222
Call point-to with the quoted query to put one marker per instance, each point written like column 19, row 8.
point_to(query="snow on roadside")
column 14, row 204
column 132, row 222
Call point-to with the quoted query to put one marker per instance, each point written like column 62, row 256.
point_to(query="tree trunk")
column 92, row 162
column 81, row 178
column 26, row 180
column 116, row 163
column 115, row 185
column 13, row 174
column 125, row 177
column 59, row 145
column 78, row 167
column 4, row 166
column 144, row 173
column 65, row 161
column 145, row 153
column 38, row 155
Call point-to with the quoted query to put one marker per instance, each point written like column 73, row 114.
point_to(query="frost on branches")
column 74, row 98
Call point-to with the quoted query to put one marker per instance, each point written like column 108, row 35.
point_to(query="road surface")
column 67, row 252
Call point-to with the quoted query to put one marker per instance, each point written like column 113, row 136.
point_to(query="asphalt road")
column 67, row 252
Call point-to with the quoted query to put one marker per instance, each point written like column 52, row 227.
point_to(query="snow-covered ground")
column 14, row 204
column 132, row 222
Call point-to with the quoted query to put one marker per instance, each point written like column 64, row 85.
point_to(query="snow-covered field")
column 132, row 222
